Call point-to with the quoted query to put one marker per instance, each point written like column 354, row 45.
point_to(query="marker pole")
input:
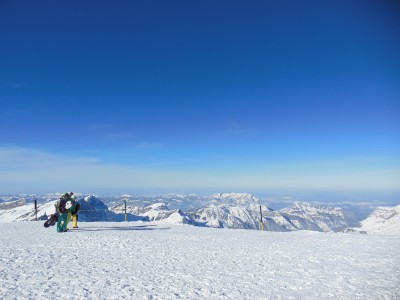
column 126, row 216
column 261, row 219
column 36, row 209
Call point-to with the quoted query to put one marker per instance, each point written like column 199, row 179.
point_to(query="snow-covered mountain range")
column 186, row 202
column 301, row 216
column 224, row 210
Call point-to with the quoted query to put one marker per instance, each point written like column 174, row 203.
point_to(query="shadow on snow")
column 123, row 228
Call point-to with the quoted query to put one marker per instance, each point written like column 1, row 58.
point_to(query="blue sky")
column 217, row 95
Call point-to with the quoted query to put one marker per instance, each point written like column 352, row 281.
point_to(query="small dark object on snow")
column 51, row 221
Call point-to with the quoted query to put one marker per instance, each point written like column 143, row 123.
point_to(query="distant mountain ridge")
column 234, row 199
column 318, row 218
column 301, row 216
column 12, row 204
column 224, row 210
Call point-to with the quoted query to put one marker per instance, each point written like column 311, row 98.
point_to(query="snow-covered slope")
column 224, row 216
column 306, row 216
column 240, row 217
column 21, row 211
column 92, row 209
column 155, row 212
column 155, row 261
column 384, row 220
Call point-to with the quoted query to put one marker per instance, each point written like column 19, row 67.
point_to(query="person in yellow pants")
column 75, row 220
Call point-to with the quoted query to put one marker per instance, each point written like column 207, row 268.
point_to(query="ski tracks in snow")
column 162, row 261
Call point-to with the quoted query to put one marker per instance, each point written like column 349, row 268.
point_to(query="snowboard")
column 51, row 221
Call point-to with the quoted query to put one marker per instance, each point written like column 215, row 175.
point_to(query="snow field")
column 160, row 261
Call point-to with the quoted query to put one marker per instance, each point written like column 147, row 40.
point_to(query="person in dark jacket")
column 62, row 208
column 73, row 210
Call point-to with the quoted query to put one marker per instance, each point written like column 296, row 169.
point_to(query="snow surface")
column 139, row 260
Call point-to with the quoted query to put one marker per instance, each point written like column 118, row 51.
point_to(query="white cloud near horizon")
column 25, row 158
column 31, row 168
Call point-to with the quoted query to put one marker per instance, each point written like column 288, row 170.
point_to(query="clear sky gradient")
column 228, row 95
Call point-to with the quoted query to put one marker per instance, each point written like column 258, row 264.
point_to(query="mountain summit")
column 234, row 199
